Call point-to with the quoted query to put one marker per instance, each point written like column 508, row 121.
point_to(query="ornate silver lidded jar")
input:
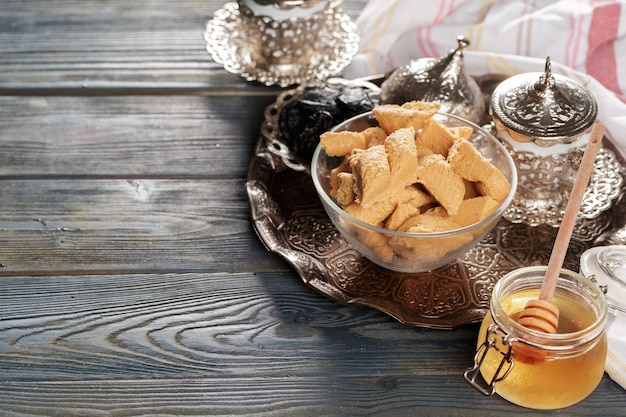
column 443, row 80
column 544, row 108
column 543, row 119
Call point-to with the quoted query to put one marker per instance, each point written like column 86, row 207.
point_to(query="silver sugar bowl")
column 280, row 10
column 543, row 119
column 287, row 42
column 442, row 79
column 282, row 33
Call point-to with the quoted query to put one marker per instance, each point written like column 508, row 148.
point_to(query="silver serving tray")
column 290, row 220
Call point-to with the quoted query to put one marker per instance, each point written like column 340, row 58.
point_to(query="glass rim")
column 532, row 278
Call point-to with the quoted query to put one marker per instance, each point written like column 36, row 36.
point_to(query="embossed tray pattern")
column 291, row 222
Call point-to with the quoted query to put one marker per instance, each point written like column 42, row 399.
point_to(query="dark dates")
column 318, row 110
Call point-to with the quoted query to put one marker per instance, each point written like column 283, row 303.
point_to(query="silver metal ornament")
column 443, row 80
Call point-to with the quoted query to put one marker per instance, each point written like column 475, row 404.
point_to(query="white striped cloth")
column 585, row 39
column 616, row 359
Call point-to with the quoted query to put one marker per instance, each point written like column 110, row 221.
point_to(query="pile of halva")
column 411, row 173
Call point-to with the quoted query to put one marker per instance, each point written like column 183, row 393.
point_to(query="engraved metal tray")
column 290, row 220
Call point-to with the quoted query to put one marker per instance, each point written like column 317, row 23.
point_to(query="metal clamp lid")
column 606, row 266
column 545, row 108
column 472, row 374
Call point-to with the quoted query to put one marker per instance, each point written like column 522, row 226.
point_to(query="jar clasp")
column 472, row 374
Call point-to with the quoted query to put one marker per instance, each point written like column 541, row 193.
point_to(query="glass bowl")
column 407, row 251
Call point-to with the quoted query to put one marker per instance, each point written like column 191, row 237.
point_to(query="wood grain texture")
column 278, row 397
column 201, row 325
column 129, row 136
column 107, row 46
column 113, row 47
column 227, row 344
column 128, row 225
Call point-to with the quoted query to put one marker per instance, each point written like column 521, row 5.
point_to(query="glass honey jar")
column 540, row 370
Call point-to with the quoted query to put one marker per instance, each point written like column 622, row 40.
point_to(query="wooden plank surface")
column 114, row 47
column 129, row 136
column 107, row 45
column 181, row 325
column 128, row 183
column 68, row 225
column 336, row 395
column 228, row 344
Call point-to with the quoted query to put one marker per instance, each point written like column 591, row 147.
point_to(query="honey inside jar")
column 548, row 371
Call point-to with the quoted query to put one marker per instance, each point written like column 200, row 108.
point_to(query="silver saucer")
column 324, row 48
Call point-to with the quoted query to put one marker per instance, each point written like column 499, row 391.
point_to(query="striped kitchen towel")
column 616, row 360
column 585, row 39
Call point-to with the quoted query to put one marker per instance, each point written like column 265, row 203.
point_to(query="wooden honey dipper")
column 541, row 314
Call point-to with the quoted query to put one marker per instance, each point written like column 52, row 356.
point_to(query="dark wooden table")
column 132, row 281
